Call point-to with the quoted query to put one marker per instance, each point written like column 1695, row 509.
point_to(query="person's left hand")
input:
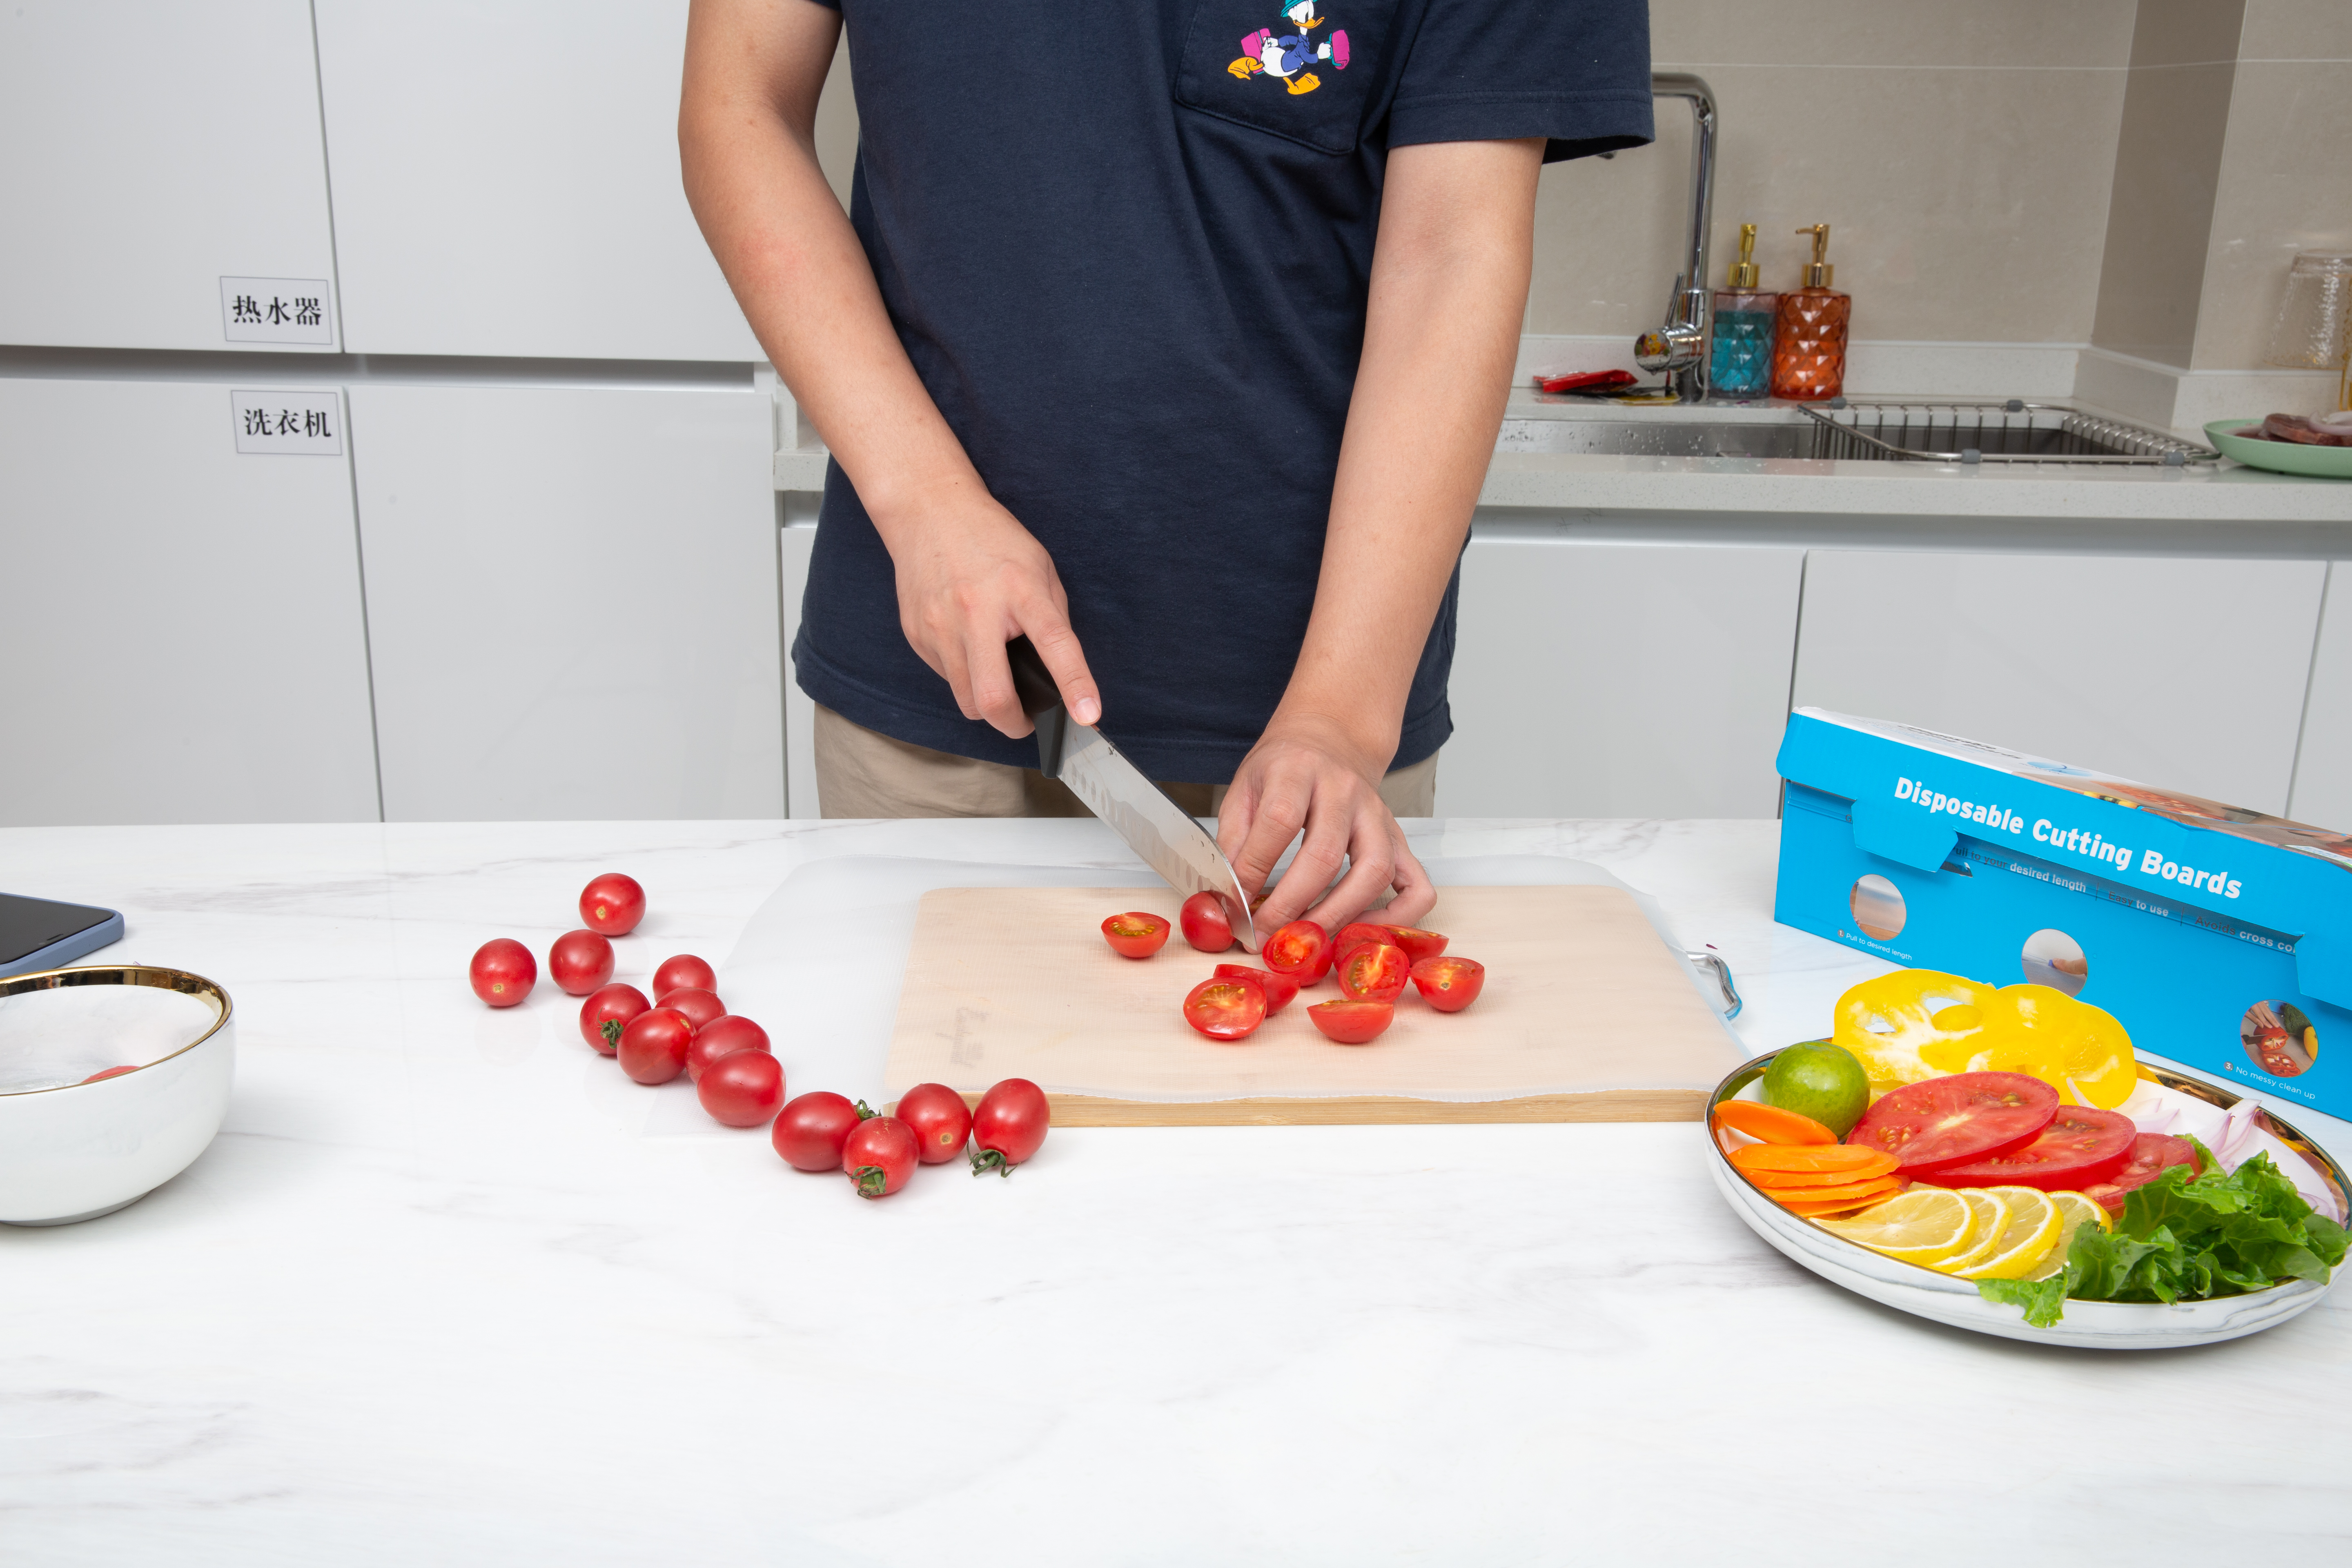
column 1306, row 774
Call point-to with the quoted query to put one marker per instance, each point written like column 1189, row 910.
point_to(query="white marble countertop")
column 450, row 1289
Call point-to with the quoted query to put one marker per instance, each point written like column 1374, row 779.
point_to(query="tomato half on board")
column 1300, row 949
column 2083, row 1146
column 1352, row 937
column 1419, row 945
column 1449, row 985
column 1952, row 1121
column 2152, row 1154
column 1225, row 1009
column 1280, row 989
column 1136, row 934
column 1351, row 1023
column 1374, row 971
column 1206, row 925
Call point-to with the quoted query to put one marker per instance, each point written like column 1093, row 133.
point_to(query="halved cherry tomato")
column 612, row 905
column 653, row 1044
column 1374, row 971
column 742, row 1088
column 1768, row 1122
column 940, row 1118
column 685, row 970
column 580, row 961
column 810, row 1131
column 607, row 1010
column 1135, row 934
column 1352, row 937
column 1449, row 985
column 2081, row 1147
column 1351, row 1023
column 1300, row 949
column 1279, row 988
column 1953, row 1120
column 1225, row 1009
column 1008, row 1126
column 723, row 1037
column 1419, row 945
column 2152, row 1154
column 879, row 1155
column 700, row 1006
column 503, row 972
column 1206, row 925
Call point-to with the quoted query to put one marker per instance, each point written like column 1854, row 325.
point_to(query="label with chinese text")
column 305, row 422
column 277, row 310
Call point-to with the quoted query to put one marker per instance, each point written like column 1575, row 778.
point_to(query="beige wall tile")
column 2187, row 32
column 2072, row 33
column 2297, row 30
column 1967, row 204
column 2285, row 186
column 2166, row 172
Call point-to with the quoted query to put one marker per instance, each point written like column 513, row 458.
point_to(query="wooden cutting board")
column 1586, row 1016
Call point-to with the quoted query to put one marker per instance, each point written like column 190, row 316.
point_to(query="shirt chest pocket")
column 1304, row 70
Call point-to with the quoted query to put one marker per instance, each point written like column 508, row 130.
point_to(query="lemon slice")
column 2025, row 1239
column 2075, row 1212
column 1924, row 1224
column 1992, row 1218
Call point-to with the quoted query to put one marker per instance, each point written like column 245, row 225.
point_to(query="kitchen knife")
column 1159, row 830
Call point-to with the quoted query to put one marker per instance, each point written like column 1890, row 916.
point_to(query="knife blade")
column 1162, row 833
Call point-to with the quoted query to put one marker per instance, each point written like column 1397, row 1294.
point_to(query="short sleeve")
column 1576, row 72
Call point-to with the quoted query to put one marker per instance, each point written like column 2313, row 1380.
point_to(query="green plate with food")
column 2244, row 440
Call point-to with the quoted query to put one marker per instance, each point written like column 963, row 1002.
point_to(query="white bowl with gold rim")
column 2095, row 1325
column 114, row 1079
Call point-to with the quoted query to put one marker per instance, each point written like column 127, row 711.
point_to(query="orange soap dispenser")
column 1809, row 331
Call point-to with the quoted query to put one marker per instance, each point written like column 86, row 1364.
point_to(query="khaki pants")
column 862, row 773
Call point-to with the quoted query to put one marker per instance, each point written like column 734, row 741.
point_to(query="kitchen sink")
column 2013, row 431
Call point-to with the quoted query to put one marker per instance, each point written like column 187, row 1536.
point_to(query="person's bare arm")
column 1449, row 285
column 970, row 577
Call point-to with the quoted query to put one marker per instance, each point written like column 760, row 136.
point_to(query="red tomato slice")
column 1449, row 985
column 1300, row 949
column 1225, row 1009
column 1136, row 934
column 1374, row 971
column 1953, row 1120
column 2152, row 1154
column 2082, row 1146
column 1279, row 988
column 607, row 1010
column 1419, row 945
column 700, row 1006
column 1351, row 1023
column 723, row 1037
column 109, row 1072
column 684, row 970
column 1206, row 925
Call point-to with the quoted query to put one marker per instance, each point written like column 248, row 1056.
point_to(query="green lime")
column 1816, row 1078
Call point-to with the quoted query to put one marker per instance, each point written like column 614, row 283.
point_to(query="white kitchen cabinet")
column 506, row 181
column 149, row 149
column 2323, row 773
column 573, row 601
column 1600, row 678
column 2180, row 672
column 797, row 539
column 182, row 636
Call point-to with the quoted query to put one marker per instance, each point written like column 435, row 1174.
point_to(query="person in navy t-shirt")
column 1173, row 334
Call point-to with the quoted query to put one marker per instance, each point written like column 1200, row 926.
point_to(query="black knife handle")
column 1042, row 700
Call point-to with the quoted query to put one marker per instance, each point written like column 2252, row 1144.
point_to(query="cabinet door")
column 506, row 181
column 183, row 638
column 571, row 601
column 147, row 151
column 2323, row 774
column 2182, row 673
column 1617, row 680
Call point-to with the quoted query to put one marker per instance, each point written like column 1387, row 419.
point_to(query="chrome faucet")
column 1678, row 347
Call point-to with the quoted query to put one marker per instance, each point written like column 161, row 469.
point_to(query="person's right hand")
column 971, row 579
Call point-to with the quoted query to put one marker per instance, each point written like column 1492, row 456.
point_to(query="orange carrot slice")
column 1772, row 1123
column 1791, row 1180
column 1805, row 1157
column 1828, row 1200
column 1843, row 1206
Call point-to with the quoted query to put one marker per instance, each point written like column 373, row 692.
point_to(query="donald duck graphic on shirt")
column 1286, row 57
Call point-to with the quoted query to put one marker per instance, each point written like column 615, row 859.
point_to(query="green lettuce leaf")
column 2043, row 1299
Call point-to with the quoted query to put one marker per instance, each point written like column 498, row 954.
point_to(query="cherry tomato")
column 1351, row 1023
column 1352, row 937
column 940, row 1118
column 1008, row 1125
column 653, row 1044
column 109, row 1072
column 811, row 1129
column 742, row 1088
column 503, row 972
column 720, row 1037
column 1225, row 1009
column 1279, row 988
column 880, row 1154
column 580, row 961
column 1206, row 925
column 1953, row 1120
column 1300, row 949
column 679, row 972
column 2081, row 1147
column 700, row 1006
column 1374, row 971
column 1136, row 934
column 1417, row 945
column 606, row 1012
column 1449, row 985
column 2152, row 1154
column 612, row 905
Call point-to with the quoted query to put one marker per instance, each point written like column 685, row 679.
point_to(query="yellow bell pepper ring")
column 1890, row 1023
column 1918, row 1024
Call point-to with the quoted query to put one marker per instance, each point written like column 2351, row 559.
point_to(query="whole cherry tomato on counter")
column 1300, row 949
column 1008, row 1126
column 810, row 1130
column 1225, row 1009
column 1374, row 971
column 653, row 1044
column 612, row 905
column 722, row 1037
column 580, row 961
column 1449, row 985
column 1206, row 925
column 1136, row 934
column 700, row 1006
column 683, row 971
column 607, row 1011
column 503, row 972
column 1280, row 989
column 940, row 1118
column 1351, row 1023
column 742, row 1088
column 880, row 1154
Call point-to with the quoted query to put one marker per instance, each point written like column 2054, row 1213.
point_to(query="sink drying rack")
column 2013, row 431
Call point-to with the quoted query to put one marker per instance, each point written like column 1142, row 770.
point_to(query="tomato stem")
column 865, row 1113
column 610, row 1030
column 870, row 1180
column 986, row 1159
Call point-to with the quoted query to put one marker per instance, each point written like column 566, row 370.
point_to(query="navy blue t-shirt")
column 1128, row 247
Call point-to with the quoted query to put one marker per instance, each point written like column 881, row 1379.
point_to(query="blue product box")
column 2220, row 937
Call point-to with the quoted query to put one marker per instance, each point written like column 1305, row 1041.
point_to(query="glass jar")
column 2309, row 331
